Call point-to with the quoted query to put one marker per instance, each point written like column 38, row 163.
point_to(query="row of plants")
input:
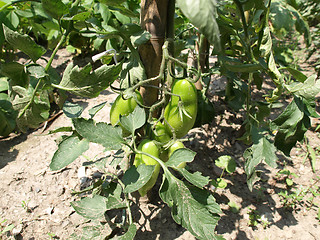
column 161, row 97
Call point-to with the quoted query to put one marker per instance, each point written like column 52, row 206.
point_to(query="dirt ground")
column 37, row 201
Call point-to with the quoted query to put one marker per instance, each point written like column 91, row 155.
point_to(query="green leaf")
column 61, row 129
column 36, row 71
column 289, row 182
column 92, row 233
column 129, row 235
column 23, row 43
column 313, row 157
column 307, row 89
column 72, row 110
column 68, row 151
column 7, row 116
column 92, row 208
column 291, row 125
column 140, row 38
column 37, row 109
column 202, row 14
column 108, row 136
column 193, row 208
column 179, row 156
column 132, row 72
column 296, row 74
column 266, row 42
column 54, row 8
column 4, row 86
column 16, row 73
column 219, row 183
column 93, row 111
column 195, row 179
column 83, row 82
column 261, row 150
column 234, row 207
column 134, row 120
column 226, row 162
column 135, row 178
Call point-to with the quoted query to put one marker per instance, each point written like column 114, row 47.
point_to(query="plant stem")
column 63, row 38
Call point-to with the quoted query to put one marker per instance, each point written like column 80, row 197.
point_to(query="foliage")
column 242, row 35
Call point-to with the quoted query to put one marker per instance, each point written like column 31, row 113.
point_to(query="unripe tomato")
column 123, row 107
column 172, row 148
column 148, row 146
column 178, row 120
column 160, row 133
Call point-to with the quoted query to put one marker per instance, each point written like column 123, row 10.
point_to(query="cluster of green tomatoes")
column 163, row 139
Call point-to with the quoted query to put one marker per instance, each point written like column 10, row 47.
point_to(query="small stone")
column 17, row 230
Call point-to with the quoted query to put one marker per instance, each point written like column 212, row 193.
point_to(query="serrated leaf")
column 134, row 120
column 83, row 82
column 136, row 177
column 308, row 89
column 68, row 151
column 23, row 43
column 179, row 156
column 202, row 14
column 132, row 72
column 195, row 179
column 261, row 150
column 102, row 133
column 129, row 235
column 192, row 207
column 291, row 125
column 72, row 110
column 16, row 73
column 92, row 208
column 37, row 110
column 54, row 8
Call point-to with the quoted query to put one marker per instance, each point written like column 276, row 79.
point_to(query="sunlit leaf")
column 68, row 151
column 102, row 133
column 192, row 207
column 23, row 43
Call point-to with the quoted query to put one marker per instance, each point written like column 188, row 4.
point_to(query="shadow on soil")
column 7, row 153
column 208, row 149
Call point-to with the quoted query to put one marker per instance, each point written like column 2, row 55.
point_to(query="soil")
column 37, row 201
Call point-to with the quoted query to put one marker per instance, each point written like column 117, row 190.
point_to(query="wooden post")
column 153, row 18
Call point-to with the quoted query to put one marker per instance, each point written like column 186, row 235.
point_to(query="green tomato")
column 123, row 107
column 172, row 148
column 179, row 120
column 160, row 133
column 148, row 146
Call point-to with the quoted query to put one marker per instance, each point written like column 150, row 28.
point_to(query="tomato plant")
column 142, row 45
